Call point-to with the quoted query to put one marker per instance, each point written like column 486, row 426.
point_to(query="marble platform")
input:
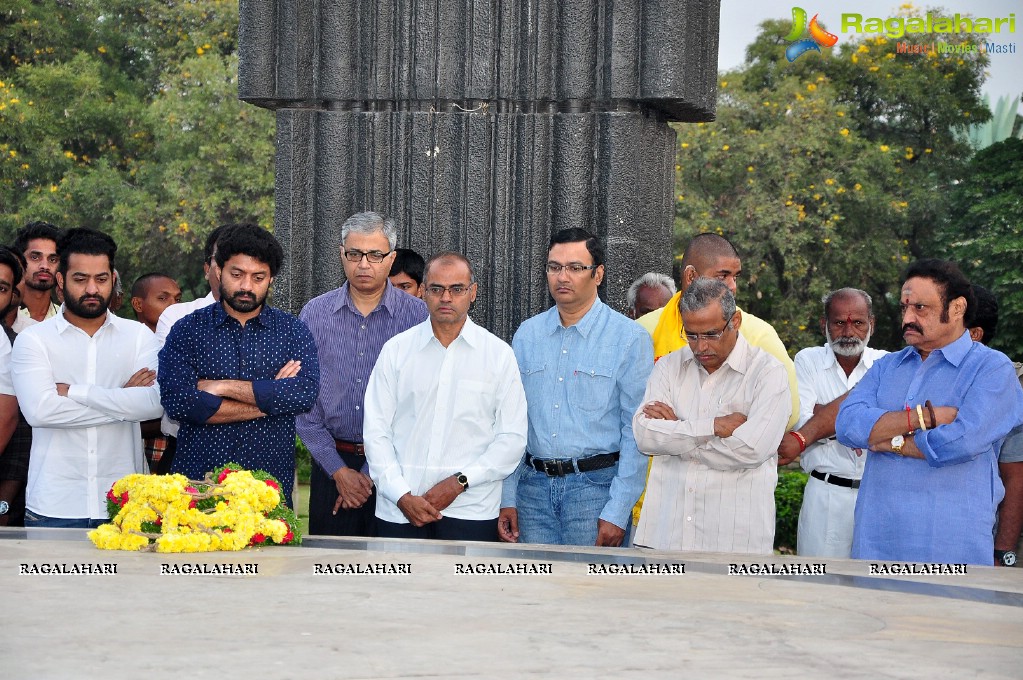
column 295, row 619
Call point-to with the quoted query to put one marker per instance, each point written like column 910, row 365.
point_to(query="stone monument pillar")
column 481, row 126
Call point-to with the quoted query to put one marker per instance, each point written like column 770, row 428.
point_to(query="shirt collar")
column 63, row 324
column 831, row 361
column 220, row 315
column 953, row 353
column 470, row 333
column 584, row 325
column 739, row 358
column 344, row 299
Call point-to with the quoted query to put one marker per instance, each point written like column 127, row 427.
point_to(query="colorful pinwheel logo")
column 818, row 36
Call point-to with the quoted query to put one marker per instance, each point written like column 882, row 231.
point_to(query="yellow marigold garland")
column 230, row 509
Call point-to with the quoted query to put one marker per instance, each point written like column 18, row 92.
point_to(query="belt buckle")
column 553, row 467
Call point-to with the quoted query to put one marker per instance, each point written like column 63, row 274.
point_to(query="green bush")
column 788, row 498
column 304, row 461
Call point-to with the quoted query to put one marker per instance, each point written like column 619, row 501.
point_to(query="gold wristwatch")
column 898, row 441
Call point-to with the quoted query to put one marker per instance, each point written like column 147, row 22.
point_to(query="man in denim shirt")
column 584, row 369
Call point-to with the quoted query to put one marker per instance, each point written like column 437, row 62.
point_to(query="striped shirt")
column 710, row 493
column 348, row 344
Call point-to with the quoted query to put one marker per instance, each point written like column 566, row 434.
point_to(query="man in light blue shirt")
column 933, row 417
column 584, row 368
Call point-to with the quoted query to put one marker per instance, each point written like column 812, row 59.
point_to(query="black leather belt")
column 559, row 467
column 836, row 480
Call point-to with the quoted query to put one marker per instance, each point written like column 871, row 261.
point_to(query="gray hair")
column 652, row 280
column 704, row 291
column 847, row 292
column 370, row 223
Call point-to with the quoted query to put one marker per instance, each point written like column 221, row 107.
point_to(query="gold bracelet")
column 920, row 415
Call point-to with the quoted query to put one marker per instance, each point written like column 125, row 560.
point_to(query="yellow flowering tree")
column 830, row 171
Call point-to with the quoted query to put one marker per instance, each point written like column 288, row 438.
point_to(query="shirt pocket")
column 590, row 387
column 475, row 405
column 532, row 375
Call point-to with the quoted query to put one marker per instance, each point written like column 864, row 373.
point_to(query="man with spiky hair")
column 37, row 242
column 84, row 378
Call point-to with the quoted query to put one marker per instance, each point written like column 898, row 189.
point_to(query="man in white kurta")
column 826, row 373
column 445, row 418
column 712, row 416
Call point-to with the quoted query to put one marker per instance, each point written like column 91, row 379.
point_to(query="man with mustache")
column 37, row 241
column 825, row 375
column 931, row 417
column 84, row 379
column 235, row 374
column 711, row 418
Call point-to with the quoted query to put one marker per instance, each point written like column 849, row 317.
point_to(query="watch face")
column 897, row 441
column 4, row 507
column 1009, row 558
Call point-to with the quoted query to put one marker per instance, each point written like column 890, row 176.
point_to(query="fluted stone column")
column 481, row 126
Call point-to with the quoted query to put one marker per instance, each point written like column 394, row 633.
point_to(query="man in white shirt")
column 712, row 416
column 84, row 380
column 37, row 242
column 825, row 375
column 445, row 417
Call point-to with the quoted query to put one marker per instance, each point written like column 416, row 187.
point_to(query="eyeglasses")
column 457, row 290
column 574, row 268
column 374, row 256
column 694, row 338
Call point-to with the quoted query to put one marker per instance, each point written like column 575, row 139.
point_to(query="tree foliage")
column 123, row 116
column 985, row 234
column 834, row 170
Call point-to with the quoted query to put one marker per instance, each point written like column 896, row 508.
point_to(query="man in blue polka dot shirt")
column 236, row 373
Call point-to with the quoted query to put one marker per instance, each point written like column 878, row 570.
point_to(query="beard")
column 35, row 285
column 241, row 302
column 847, row 347
column 81, row 307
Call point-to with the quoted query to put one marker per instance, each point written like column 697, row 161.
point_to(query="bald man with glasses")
column 350, row 325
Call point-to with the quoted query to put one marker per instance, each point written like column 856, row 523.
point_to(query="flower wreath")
column 232, row 508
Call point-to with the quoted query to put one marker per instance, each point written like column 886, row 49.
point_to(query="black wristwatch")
column 463, row 480
column 1005, row 558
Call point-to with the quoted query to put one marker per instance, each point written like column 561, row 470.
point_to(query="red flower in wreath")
column 272, row 484
column 257, row 538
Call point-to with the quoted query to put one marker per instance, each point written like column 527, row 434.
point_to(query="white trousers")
column 826, row 520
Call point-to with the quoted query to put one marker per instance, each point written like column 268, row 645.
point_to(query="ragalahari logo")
column 818, row 36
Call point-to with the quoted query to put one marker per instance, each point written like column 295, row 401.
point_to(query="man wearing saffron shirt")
column 933, row 417
column 350, row 325
column 235, row 374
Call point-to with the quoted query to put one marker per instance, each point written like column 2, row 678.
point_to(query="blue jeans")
column 562, row 510
column 32, row 520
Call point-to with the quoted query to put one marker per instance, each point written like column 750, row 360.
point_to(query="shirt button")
column 363, row 326
column 564, row 351
column 557, row 406
column 689, row 519
column 561, row 380
column 356, row 408
column 692, row 490
column 554, row 435
column 359, row 380
column 361, row 353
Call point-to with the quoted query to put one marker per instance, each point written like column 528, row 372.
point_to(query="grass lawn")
column 301, row 498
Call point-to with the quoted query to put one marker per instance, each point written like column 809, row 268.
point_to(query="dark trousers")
column 322, row 497
column 163, row 466
column 445, row 529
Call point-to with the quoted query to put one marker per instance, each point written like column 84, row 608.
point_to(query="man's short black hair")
column 251, row 240
column 577, row 235
column 950, row 279
column 34, row 230
column 211, row 242
column 140, row 288
column 84, row 241
column 408, row 261
column 985, row 314
column 13, row 259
